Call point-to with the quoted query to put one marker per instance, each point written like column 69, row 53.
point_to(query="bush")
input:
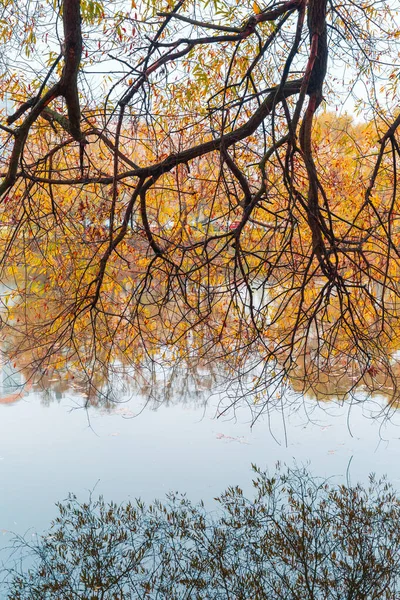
column 299, row 537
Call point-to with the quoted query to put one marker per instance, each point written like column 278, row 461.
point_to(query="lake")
column 50, row 446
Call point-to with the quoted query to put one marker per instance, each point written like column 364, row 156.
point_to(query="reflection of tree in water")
column 242, row 353
column 153, row 384
column 297, row 538
column 194, row 380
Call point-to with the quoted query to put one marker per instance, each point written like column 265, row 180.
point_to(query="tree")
column 169, row 193
column 298, row 537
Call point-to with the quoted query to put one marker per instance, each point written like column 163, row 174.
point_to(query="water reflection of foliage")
column 243, row 376
column 242, row 341
column 297, row 538
column 153, row 385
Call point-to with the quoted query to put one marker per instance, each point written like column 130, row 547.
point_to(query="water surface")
column 51, row 448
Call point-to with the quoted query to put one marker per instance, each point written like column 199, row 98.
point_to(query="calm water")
column 48, row 449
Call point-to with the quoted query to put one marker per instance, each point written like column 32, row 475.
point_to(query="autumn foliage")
column 182, row 184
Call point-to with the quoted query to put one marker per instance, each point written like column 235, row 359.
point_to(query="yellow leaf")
column 256, row 8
